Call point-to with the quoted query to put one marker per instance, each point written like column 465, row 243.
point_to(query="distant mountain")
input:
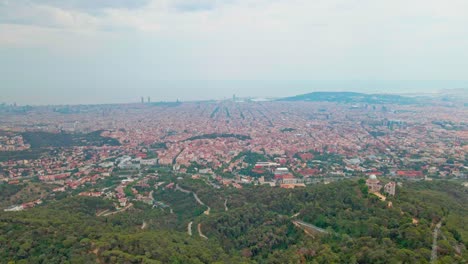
column 454, row 95
column 459, row 92
column 351, row 97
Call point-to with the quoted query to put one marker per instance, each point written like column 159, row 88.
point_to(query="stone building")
column 373, row 183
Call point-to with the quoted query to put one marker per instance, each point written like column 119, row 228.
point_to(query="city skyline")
column 189, row 91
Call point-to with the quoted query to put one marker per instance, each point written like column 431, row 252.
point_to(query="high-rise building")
column 149, row 100
column 142, row 100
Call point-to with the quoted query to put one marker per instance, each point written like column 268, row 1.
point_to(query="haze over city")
column 77, row 52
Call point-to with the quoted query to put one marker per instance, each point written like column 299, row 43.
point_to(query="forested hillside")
column 45, row 139
column 336, row 223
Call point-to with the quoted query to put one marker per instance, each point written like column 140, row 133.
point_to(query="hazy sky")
column 102, row 51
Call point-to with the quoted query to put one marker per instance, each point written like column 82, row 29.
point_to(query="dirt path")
column 177, row 187
column 96, row 252
column 144, row 225
column 207, row 211
column 103, row 212
column 456, row 247
column 189, row 228
column 435, row 234
column 200, row 232
column 316, row 228
column 295, row 215
column 304, row 229
column 119, row 211
column 381, row 197
column 225, row 205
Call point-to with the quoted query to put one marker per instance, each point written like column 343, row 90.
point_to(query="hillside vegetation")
column 46, row 139
column 259, row 227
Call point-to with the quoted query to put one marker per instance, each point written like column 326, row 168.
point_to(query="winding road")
column 200, row 232
column 207, row 211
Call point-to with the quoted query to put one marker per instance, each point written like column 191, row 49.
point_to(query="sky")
column 115, row 51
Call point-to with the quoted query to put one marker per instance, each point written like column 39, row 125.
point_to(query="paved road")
column 207, row 212
column 200, row 232
column 177, row 187
column 189, row 228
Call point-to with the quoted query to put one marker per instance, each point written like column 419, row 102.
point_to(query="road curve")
column 200, row 232
column 189, row 228
column 207, row 211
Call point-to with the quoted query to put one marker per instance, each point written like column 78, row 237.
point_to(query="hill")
column 351, row 97
column 335, row 223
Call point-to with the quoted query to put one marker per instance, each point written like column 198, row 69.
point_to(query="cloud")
column 193, row 5
column 91, row 6
column 249, row 39
column 26, row 13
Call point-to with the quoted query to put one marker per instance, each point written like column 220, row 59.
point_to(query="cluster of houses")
column 12, row 143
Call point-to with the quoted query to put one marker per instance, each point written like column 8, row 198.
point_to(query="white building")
column 281, row 171
column 148, row 162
